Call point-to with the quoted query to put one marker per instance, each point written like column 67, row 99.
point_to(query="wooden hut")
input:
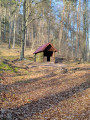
column 45, row 53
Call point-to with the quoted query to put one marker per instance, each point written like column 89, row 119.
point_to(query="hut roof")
column 43, row 47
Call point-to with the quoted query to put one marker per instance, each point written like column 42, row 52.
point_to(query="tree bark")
column 0, row 32
column 9, row 45
column 14, row 37
column 23, row 31
column 61, row 30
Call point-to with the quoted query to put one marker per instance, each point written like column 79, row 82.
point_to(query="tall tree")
column 23, row 31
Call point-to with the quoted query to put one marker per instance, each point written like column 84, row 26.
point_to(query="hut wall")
column 45, row 59
column 52, row 59
column 34, row 57
column 39, row 57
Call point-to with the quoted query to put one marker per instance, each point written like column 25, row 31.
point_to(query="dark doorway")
column 48, row 58
column 48, row 54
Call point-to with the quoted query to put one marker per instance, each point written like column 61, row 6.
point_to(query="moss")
column 39, row 57
column 16, row 69
column 34, row 57
column 6, row 67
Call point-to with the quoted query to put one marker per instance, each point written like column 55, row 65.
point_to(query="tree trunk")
column 61, row 30
column 84, row 50
column 48, row 30
column 67, row 31
column 10, row 31
column 23, row 31
column 5, row 9
column 0, row 32
column 14, row 37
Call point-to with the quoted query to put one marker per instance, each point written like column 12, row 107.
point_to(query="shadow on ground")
column 59, row 60
column 20, row 83
column 30, row 109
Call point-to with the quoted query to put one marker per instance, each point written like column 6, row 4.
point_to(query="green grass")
column 6, row 67
column 16, row 69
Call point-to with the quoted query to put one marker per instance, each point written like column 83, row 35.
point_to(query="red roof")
column 43, row 47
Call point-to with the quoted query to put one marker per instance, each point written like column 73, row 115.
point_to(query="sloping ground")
column 45, row 91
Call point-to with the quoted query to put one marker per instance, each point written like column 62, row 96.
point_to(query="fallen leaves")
column 35, row 94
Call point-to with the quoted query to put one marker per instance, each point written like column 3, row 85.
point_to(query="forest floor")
column 42, row 91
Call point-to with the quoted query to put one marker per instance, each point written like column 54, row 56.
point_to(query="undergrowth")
column 6, row 67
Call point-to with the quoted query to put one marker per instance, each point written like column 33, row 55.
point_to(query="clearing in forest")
column 43, row 91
